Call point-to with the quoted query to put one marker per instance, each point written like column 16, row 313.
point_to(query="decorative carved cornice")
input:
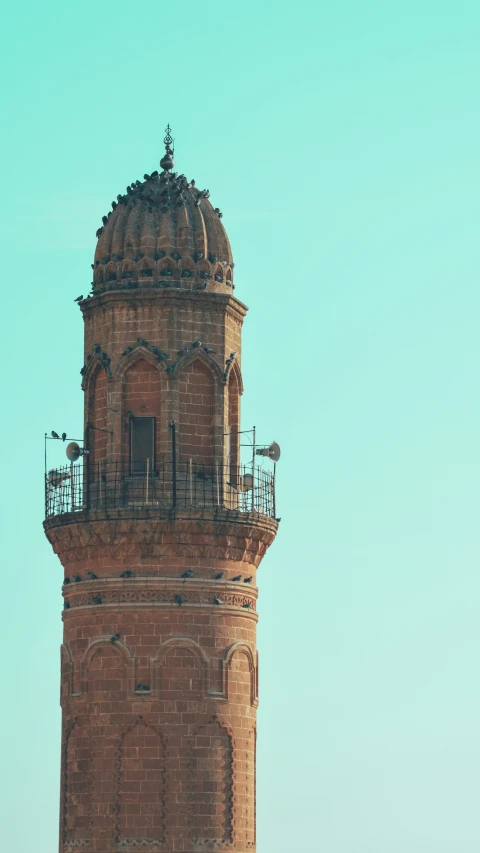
column 168, row 299
column 163, row 595
column 157, row 535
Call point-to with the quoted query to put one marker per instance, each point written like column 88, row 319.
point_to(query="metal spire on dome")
column 167, row 160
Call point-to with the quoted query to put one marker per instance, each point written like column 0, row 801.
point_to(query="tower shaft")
column 160, row 536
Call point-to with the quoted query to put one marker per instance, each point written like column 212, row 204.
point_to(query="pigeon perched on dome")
column 165, row 215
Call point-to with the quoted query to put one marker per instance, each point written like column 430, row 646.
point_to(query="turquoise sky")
column 341, row 141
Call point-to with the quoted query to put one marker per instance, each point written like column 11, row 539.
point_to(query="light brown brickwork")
column 159, row 683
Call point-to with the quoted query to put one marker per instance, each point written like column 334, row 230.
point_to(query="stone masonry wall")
column 159, row 698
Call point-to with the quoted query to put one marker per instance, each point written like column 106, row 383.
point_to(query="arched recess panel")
column 98, row 417
column 181, row 675
column 196, row 414
column 78, row 786
column 140, row 797
column 106, row 676
column 240, row 679
column 141, row 410
column 66, row 677
column 233, row 424
column 210, row 786
column 250, row 798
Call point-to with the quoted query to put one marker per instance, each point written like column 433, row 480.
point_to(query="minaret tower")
column 160, row 531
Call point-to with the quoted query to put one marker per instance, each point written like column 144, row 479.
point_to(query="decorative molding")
column 228, row 535
column 91, row 368
column 237, row 373
column 138, row 843
column 162, row 597
column 245, row 649
column 251, row 795
column 158, row 660
column 138, row 353
column 198, row 354
column 72, row 844
column 227, row 842
column 66, row 670
column 120, row 649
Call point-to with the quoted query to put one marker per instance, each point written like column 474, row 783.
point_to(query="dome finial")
column 167, row 160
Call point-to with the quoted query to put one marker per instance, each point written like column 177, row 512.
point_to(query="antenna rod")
column 46, row 493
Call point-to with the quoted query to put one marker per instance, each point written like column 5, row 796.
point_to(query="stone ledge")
column 173, row 517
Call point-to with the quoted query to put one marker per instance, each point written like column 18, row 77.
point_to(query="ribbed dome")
column 163, row 232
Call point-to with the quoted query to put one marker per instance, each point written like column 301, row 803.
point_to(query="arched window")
column 141, row 409
column 196, row 413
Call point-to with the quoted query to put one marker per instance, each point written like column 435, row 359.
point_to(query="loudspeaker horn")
column 73, row 451
column 273, row 452
column 246, row 483
column 56, row 477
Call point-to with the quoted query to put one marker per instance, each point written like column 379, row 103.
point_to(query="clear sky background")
column 342, row 143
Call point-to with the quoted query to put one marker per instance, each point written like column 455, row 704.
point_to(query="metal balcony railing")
column 197, row 485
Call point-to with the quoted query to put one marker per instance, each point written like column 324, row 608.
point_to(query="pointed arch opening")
column 127, row 270
column 187, row 268
column 141, row 417
column 166, row 267
column 146, row 268
column 196, row 415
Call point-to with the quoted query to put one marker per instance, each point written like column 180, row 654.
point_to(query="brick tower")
column 160, row 531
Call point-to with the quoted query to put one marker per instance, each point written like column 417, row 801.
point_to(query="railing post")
column 174, row 464
column 253, row 469
column 86, row 468
column 46, row 481
column 274, row 486
column 72, row 486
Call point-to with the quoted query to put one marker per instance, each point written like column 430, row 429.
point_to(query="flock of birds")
column 133, row 284
column 177, row 597
column 160, row 356
column 160, row 191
